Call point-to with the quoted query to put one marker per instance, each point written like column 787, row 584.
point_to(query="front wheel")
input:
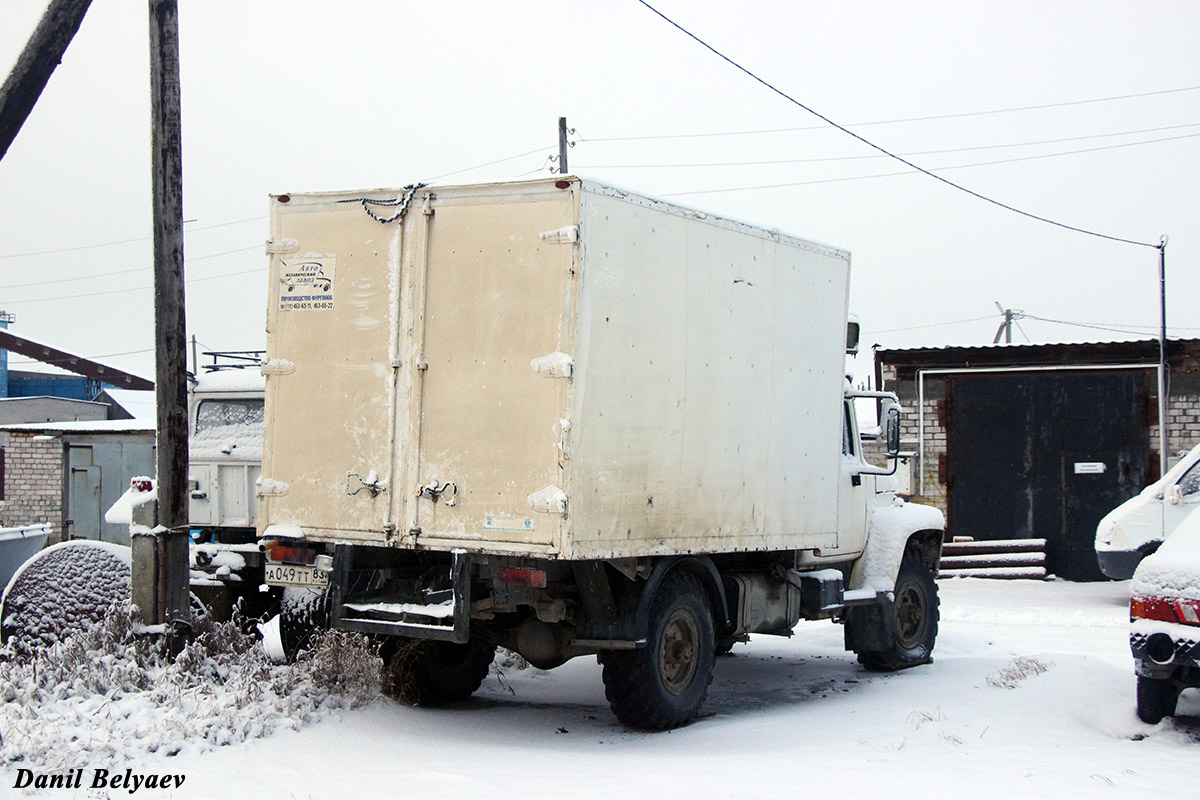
column 663, row 684
column 914, row 617
column 1156, row 698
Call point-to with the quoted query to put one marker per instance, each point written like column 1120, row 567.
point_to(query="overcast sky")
column 305, row 95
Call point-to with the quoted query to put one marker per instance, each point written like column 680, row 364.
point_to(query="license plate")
column 290, row 575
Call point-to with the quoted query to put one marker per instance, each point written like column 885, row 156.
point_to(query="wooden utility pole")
column 169, row 322
column 1164, row 452
column 42, row 54
column 562, row 145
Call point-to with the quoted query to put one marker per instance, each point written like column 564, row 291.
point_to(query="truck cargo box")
column 551, row 368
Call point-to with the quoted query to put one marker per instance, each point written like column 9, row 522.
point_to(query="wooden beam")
column 33, row 69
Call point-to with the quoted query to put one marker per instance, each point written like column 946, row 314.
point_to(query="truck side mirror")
column 891, row 426
column 1174, row 495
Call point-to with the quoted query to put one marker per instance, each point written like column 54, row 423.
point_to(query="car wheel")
column 915, row 614
column 1156, row 698
column 663, row 684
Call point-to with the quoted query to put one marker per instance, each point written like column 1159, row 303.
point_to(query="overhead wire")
column 488, row 164
column 125, row 241
column 952, row 167
column 1106, row 328
column 944, row 151
column 958, row 115
column 133, row 288
column 932, row 325
column 21, row 362
column 888, row 153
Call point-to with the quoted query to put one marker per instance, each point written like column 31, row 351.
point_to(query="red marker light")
column 525, row 577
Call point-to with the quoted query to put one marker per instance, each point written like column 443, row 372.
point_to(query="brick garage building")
column 1040, row 441
column 69, row 473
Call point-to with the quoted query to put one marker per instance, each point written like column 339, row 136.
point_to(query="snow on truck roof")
column 249, row 379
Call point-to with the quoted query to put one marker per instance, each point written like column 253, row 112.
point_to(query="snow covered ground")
column 786, row 717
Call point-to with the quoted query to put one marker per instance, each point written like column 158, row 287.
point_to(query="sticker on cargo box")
column 306, row 284
column 503, row 522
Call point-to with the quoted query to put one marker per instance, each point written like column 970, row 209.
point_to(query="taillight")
column 1188, row 611
column 1149, row 607
column 524, row 577
column 291, row 555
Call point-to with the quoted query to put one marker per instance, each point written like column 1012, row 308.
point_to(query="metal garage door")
column 1045, row 455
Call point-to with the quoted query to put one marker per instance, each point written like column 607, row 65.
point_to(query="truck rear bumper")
column 356, row 603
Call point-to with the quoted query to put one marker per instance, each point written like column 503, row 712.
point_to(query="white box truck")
column 565, row 419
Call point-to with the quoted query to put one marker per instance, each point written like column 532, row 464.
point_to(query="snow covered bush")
column 111, row 692
column 62, row 589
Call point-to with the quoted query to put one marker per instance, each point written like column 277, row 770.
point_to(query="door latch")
column 433, row 491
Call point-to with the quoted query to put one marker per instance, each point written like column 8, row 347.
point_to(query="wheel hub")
column 910, row 614
column 678, row 658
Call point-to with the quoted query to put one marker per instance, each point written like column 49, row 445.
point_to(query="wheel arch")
column 893, row 530
column 704, row 570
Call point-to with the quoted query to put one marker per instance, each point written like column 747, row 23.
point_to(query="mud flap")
column 870, row 627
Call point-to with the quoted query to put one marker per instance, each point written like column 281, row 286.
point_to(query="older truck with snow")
column 565, row 419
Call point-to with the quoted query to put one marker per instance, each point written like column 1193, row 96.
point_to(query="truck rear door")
column 331, row 383
column 491, row 391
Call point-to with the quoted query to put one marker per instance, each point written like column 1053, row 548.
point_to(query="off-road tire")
column 915, row 610
column 432, row 673
column 662, row 685
column 1156, row 698
column 302, row 612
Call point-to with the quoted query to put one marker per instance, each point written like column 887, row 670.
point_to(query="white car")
column 1164, row 630
column 1135, row 529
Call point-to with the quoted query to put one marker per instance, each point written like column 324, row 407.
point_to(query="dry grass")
column 1010, row 676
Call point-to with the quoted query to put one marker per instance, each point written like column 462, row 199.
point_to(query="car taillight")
column 1150, row 607
column 1188, row 611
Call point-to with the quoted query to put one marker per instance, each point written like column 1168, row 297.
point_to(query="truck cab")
column 225, row 420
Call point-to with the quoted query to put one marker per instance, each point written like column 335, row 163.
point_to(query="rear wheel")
column 914, row 611
column 663, row 684
column 431, row 673
column 1156, row 698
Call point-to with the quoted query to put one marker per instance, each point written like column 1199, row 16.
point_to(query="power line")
column 871, row 144
column 1102, row 327
column 124, row 241
column 90, row 358
column 133, row 288
column 955, row 166
column 880, row 121
column 916, row 153
column 116, row 242
column 933, row 325
column 488, row 164
column 125, row 271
